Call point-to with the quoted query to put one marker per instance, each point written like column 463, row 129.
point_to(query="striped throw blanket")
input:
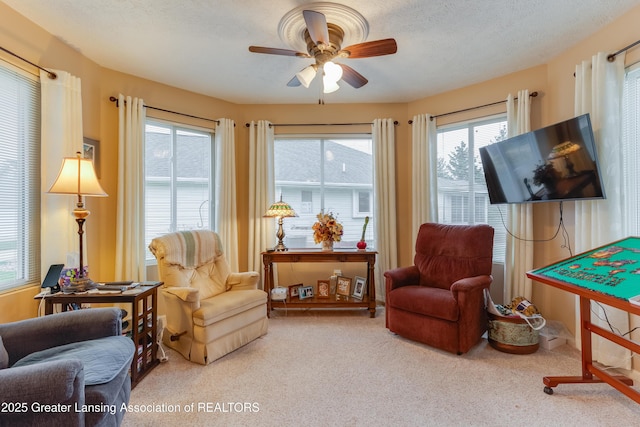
column 191, row 248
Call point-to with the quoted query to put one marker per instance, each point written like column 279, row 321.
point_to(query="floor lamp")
column 78, row 177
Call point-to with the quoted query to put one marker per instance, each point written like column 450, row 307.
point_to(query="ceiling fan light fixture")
column 306, row 75
column 319, row 31
column 329, row 86
column 332, row 71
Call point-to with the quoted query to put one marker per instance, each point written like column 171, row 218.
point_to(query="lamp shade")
column 280, row 210
column 306, row 75
column 77, row 176
column 332, row 71
column 563, row 149
column 329, row 86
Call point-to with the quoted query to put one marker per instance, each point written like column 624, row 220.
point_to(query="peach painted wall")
column 333, row 113
column 556, row 304
column 554, row 82
column 21, row 36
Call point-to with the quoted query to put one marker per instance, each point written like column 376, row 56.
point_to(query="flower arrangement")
column 545, row 174
column 68, row 275
column 327, row 228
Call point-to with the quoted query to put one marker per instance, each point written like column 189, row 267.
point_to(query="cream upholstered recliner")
column 210, row 310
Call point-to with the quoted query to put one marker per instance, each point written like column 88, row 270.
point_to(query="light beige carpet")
column 342, row 368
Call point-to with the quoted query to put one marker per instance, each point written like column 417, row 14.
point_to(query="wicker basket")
column 512, row 334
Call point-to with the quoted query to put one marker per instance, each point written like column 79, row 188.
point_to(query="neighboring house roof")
column 192, row 163
column 343, row 165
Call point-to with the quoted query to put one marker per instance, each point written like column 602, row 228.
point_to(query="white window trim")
column 150, row 261
column 468, row 124
column 322, row 185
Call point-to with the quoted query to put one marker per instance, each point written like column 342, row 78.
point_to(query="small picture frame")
column 294, row 290
column 91, row 151
column 305, row 292
column 359, row 286
column 323, row 288
column 343, row 286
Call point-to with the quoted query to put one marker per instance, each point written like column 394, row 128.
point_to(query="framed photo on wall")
column 91, row 150
column 343, row 286
column 323, row 288
column 359, row 286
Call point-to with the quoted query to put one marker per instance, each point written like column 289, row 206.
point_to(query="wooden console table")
column 310, row 255
column 606, row 275
column 144, row 314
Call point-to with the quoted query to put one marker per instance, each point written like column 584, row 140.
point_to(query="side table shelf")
column 344, row 255
column 143, row 322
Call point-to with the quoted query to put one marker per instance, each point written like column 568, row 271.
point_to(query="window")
column 306, row 204
column 631, row 149
column 19, row 178
column 462, row 191
column 362, row 203
column 330, row 174
column 178, row 179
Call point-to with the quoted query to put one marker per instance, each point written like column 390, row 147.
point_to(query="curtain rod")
column 114, row 99
column 51, row 74
column 612, row 57
column 532, row 95
column 318, row 124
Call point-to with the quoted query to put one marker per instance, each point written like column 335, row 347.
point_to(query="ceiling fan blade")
column 352, row 77
column 276, row 51
column 294, row 82
column 317, row 26
column 372, row 48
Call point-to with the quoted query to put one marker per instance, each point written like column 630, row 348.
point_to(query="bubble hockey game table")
column 609, row 275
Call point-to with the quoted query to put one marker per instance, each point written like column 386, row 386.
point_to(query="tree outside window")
column 462, row 191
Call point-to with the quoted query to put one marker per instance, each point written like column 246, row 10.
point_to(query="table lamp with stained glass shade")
column 78, row 177
column 280, row 210
column 564, row 150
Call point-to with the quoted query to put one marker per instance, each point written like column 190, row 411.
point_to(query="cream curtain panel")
column 519, row 251
column 130, row 245
column 61, row 135
column 226, row 211
column 383, row 135
column 424, row 190
column 598, row 91
column 261, row 191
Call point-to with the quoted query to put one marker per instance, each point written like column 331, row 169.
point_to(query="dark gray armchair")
column 77, row 362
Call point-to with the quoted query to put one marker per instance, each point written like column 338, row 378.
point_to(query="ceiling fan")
column 324, row 42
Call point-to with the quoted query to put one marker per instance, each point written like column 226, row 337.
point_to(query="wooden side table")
column 347, row 255
column 144, row 319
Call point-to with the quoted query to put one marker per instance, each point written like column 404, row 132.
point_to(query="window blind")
column 19, row 178
column 631, row 149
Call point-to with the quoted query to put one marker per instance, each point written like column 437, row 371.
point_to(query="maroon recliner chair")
column 439, row 301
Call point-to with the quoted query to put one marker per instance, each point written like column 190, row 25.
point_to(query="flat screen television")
column 555, row 163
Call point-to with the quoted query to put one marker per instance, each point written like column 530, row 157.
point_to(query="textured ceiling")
column 202, row 45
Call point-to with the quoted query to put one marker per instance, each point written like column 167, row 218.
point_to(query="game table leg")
column 619, row 382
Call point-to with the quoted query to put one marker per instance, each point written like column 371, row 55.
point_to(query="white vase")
column 327, row 245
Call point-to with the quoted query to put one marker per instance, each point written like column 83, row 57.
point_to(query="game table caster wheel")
column 548, row 390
